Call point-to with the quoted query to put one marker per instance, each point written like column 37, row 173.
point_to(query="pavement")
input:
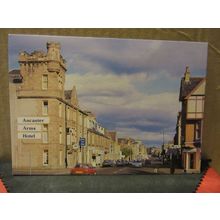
column 101, row 183
column 41, row 172
column 136, row 171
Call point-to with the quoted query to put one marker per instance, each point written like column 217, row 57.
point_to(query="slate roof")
column 113, row 135
column 187, row 87
column 98, row 133
column 125, row 140
column 15, row 76
column 67, row 94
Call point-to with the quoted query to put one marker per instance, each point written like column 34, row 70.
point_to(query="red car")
column 83, row 169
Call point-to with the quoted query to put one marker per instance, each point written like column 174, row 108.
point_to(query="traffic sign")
column 82, row 142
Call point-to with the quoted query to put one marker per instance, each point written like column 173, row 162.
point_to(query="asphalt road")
column 134, row 171
column 152, row 183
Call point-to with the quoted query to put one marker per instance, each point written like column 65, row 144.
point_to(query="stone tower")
column 38, row 122
column 43, row 73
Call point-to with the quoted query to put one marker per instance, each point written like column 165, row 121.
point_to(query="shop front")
column 191, row 159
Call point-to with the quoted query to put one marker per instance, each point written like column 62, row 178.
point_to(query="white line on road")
column 118, row 170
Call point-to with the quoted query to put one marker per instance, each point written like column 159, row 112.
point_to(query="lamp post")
column 163, row 149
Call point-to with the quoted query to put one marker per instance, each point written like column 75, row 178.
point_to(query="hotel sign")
column 33, row 120
column 29, row 135
column 28, row 128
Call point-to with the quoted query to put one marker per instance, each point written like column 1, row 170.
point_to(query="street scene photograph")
column 102, row 106
column 110, row 110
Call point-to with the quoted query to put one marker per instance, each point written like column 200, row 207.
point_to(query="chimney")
column 187, row 75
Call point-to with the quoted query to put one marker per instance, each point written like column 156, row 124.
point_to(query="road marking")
column 115, row 172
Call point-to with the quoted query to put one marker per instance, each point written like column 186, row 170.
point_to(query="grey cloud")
column 122, row 57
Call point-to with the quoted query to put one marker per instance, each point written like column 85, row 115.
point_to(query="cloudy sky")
column 132, row 86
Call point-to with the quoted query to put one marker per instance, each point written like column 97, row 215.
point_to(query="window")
column 59, row 85
column 198, row 131
column 60, row 110
column 60, row 82
column 60, row 134
column 191, row 160
column 68, row 113
column 195, row 107
column 45, row 108
column 45, row 158
column 45, row 133
column 61, row 157
column 192, row 105
column 45, row 82
column 74, row 115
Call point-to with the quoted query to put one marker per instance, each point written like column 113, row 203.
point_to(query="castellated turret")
column 53, row 51
column 55, row 60
column 43, row 72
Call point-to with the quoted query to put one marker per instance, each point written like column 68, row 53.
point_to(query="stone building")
column 137, row 149
column 99, row 143
column 142, row 151
column 115, row 151
column 38, row 111
column 46, row 121
column 49, row 130
column 76, row 128
column 190, row 121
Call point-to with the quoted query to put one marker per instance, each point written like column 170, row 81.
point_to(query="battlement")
column 52, row 58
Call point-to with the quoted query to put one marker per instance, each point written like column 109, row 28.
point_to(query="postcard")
column 102, row 106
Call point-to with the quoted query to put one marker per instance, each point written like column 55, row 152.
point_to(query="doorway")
column 191, row 160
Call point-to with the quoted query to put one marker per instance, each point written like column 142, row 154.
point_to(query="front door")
column 191, row 160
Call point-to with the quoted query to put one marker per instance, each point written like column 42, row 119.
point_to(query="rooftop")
column 67, row 94
column 187, row 87
column 15, row 76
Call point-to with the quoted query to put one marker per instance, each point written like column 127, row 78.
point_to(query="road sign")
column 82, row 142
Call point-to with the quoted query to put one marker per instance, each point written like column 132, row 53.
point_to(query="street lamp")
column 162, row 147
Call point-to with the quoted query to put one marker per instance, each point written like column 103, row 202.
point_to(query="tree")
column 127, row 152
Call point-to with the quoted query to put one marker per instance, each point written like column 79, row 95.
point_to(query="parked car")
column 142, row 161
column 131, row 162
column 136, row 164
column 108, row 163
column 147, row 162
column 125, row 162
column 119, row 163
column 83, row 169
